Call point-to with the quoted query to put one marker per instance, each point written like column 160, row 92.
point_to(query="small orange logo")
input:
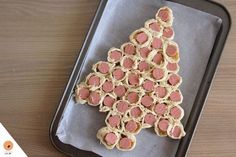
column 8, row 145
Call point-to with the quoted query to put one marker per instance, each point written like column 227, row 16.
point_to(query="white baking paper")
column 195, row 32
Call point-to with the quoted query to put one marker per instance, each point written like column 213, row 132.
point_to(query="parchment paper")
column 195, row 33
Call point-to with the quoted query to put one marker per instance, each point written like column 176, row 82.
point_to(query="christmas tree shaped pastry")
column 138, row 86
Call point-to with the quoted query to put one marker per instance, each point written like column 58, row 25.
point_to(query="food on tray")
column 138, row 86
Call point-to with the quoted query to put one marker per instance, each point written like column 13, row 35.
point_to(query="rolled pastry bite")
column 113, row 120
column 108, row 137
column 161, row 126
column 121, row 107
column 108, row 85
column 103, row 68
column 136, row 112
column 131, row 125
column 173, row 80
column 171, row 51
column 143, row 66
column 143, row 52
column 156, row 58
column 157, row 43
column 127, row 142
column 154, row 27
column 148, row 85
column 107, row 102
column 176, row 131
column 81, row 93
column 133, row 79
column 176, row 97
column 133, row 96
column 149, row 119
column 147, row 101
column 95, row 98
column 168, row 33
column 128, row 62
column 128, row 48
column 158, row 73
column 176, row 112
column 172, row 67
column 94, row 81
column 118, row 74
column 161, row 92
column 120, row 90
column 165, row 16
column 161, row 109
column 141, row 37
column 114, row 55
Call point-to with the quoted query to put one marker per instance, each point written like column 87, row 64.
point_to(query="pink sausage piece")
column 94, row 98
column 160, row 109
column 132, row 97
column 114, row 121
column 118, row 74
column 164, row 15
column 103, row 68
column 131, row 126
column 128, row 63
column 157, row 43
column 176, row 131
column 148, row 85
column 133, row 79
column 143, row 66
column 125, row 143
column 158, row 73
column 168, row 32
column 110, row 138
column 173, row 79
column 120, row 90
column 171, row 50
column 163, row 125
column 94, row 80
column 107, row 86
column 135, row 112
column 122, row 106
column 144, row 52
column 146, row 101
column 158, row 58
column 175, row 96
column 175, row 112
column 150, row 119
column 108, row 101
column 155, row 26
column 83, row 93
column 115, row 55
column 172, row 66
column 141, row 37
column 161, row 92
column 129, row 49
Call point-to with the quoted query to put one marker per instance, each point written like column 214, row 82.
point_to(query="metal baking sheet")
column 118, row 36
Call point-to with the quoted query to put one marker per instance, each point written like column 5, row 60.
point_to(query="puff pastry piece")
column 82, row 93
column 127, row 142
column 108, row 137
column 114, row 55
column 176, row 131
column 155, row 27
column 165, row 16
column 141, row 37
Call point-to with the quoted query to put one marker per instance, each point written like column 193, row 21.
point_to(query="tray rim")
column 206, row 85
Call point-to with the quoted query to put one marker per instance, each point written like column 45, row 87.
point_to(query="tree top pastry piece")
column 138, row 86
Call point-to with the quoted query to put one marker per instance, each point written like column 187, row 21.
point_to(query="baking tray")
column 203, row 5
